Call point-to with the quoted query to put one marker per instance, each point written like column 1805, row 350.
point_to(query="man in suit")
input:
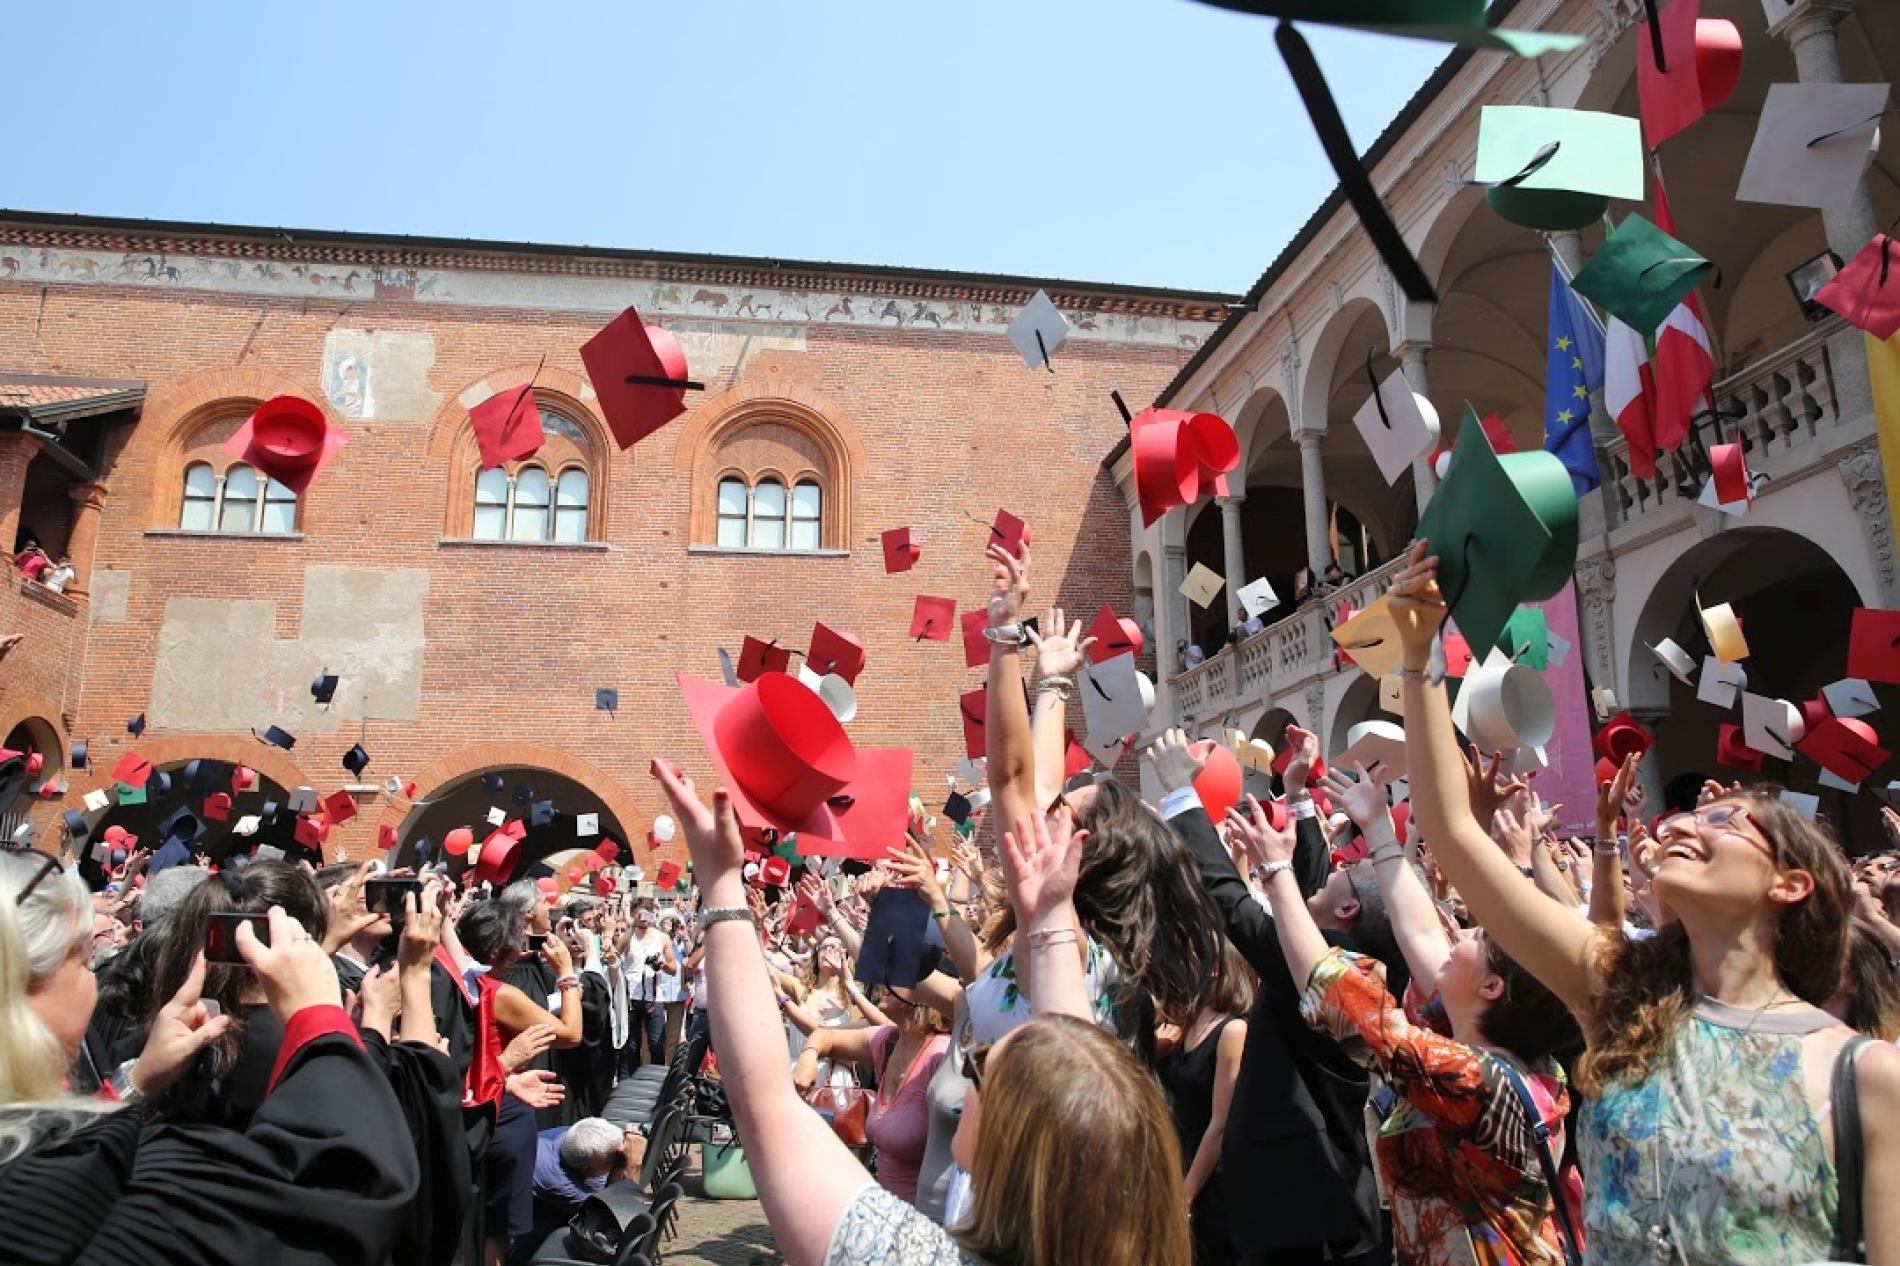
column 1295, row 1136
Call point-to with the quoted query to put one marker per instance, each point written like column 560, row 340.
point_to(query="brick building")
column 471, row 616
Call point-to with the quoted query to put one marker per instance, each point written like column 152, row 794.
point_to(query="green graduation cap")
column 1527, row 638
column 1640, row 274
column 1453, row 21
column 1504, row 530
column 787, row 847
column 130, row 794
column 1556, row 170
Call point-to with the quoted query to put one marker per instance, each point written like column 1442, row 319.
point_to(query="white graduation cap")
column 979, row 799
column 1724, row 631
column 1371, row 639
column 1813, row 143
column 497, row 815
column 586, row 824
column 972, row 769
column 1850, row 697
column 1770, row 726
column 1379, row 746
column 247, row 825
column 302, row 800
column 1802, row 803
column 1115, row 702
column 1603, row 702
column 1721, row 682
column 97, row 800
column 1255, row 754
column 1831, row 779
column 392, row 785
column 1257, row 597
column 1039, row 331
column 1203, row 584
column 1709, row 500
column 1557, row 648
column 1397, row 423
column 1504, row 706
column 1676, row 660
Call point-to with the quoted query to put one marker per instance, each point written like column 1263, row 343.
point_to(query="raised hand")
column 348, row 914
column 1256, row 832
column 1417, row 606
column 1613, row 796
column 1173, row 760
column 183, row 1027
column 1363, row 800
column 1304, row 746
column 1009, row 584
column 1486, row 793
column 1514, row 835
column 538, row 1088
column 555, row 951
column 712, row 831
column 912, row 867
column 818, row 892
column 293, row 969
column 421, row 927
column 526, row 1045
column 1041, row 859
column 381, row 996
column 1061, row 648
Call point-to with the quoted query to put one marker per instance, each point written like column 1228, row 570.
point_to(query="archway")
column 1796, row 605
column 1358, row 702
column 484, row 797
column 187, row 783
column 1378, row 516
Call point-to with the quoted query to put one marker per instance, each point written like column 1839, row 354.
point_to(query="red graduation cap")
column 339, row 806
column 974, row 706
column 1178, row 457
column 805, row 916
column 458, row 841
column 900, row 552
column 780, row 752
column 608, row 849
column 872, row 812
column 932, row 618
column 757, row 658
column 1621, row 737
column 1867, row 291
column 501, row 852
column 514, row 828
column 1499, row 434
column 386, row 836
column 1729, row 469
column 217, row 807
column 835, row 652
column 1732, row 749
column 1813, row 713
column 1873, row 646
column 976, row 647
column 774, row 871
column 133, row 770
column 288, row 438
column 1075, row 757
column 508, row 426
column 311, row 832
column 1848, row 748
column 1010, row 532
column 1457, row 655
column 1113, row 636
column 1285, row 758
column 639, row 376
column 1701, row 64
column 604, row 884
column 34, row 764
column 243, row 778
column 1219, row 782
column 668, row 874
column 1276, row 813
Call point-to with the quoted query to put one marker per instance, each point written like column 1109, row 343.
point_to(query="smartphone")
column 386, row 896
column 535, row 941
column 221, row 945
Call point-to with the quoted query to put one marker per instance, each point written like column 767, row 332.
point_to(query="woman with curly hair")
column 1706, row 1136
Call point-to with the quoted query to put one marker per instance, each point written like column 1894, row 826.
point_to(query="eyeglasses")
column 1723, row 818
column 49, row 865
column 973, row 1061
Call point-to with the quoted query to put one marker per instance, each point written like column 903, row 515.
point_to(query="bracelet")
column 1057, row 685
column 941, row 914
column 725, row 914
column 1600, row 851
column 1052, row 936
column 568, row 982
column 1010, row 634
column 1275, row 868
column 1391, row 852
column 1414, row 674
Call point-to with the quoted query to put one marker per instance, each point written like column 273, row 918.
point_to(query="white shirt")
column 1252, row 625
column 643, row 984
column 1194, row 657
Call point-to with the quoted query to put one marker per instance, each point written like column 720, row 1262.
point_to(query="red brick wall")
column 938, row 425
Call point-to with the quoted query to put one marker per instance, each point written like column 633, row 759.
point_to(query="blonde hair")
column 1059, row 1098
column 37, row 936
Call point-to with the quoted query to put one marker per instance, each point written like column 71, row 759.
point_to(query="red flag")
column 1628, row 393
column 1684, row 361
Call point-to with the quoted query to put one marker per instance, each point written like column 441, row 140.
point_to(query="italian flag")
column 1629, row 390
column 1684, row 364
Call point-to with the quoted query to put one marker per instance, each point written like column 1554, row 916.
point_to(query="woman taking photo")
column 82, row 1180
column 1046, row 1110
column 1708, row 1033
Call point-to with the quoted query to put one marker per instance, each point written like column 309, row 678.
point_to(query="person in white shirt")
column 1190, row 653
column 672, row 984
column 58, row 576
column 646, row 958
column 1251, row 626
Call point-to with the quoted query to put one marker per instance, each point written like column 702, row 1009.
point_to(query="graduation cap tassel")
column 1655, row 36
column 654, row 380
column 1044, row 349
column 1378, row 398
column 1851, row 127
column 1353, row 180
column 1128, row 419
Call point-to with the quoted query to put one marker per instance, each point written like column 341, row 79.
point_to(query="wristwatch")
column 1010, row 634
column 1273, row 868
column 121, row 1084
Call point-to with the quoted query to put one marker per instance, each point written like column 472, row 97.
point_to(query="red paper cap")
column 1846, row 747
column 1219, row 782
column 217, row 807
column 1075, row 757
column 500, row 854
column 385, row 836
column 1607, row 770
column 1732, row 751
column 1867, row 291
column 775, row 871
column 627, row 348
column 976, row 647
column 668, row 874
column 1621, row 737
column 1178, row 456
column 1113, row 636
column 339, row 806
column 133, row 770
column 288, row 438
column 835, row 652
column 779, row 749
column 1010, row 532
column 508, row 426
column 974, row 706
column 756, row 658
column 932, row 617
column 1873, row 646
column 900, row 553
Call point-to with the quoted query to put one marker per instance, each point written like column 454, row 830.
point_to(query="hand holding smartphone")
column 221, row 945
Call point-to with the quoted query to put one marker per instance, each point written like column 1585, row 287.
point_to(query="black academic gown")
column 587, row 1070
column 533, row 976
column 324, row 1174
column 429, row 1091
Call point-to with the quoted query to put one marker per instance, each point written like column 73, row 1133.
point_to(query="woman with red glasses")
column 1707, row 1135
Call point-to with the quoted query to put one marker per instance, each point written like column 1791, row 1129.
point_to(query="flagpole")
column 1564, row 272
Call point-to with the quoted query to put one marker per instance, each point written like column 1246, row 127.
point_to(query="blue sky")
column 1141, row 141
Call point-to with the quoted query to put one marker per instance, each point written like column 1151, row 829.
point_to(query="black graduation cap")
column 76, row 824
column 323, row 689
column 607, row 699
column 542, row 813
column 493, row 783
column 523, row 793
column 203, row 777
column 268, row 814
column 181, row 824
column 159, row 785
column 423, row 849
column 136, row 726
column 81, row 753
column 356, row 759
column 901, row 943
column 277, row 736
column 958, row 808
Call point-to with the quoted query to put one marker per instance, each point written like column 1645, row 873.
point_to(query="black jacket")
column 1295, row 1143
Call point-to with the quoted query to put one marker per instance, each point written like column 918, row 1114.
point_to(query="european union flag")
column 1572, row 370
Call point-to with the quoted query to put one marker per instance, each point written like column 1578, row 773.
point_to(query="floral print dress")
column 997, row 1006
column 1457, row 1153
column 1716, row 1156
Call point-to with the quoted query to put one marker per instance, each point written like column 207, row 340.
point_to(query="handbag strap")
column 1849, row 1153
column 1553, row 1180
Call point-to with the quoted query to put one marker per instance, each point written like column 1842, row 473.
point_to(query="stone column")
column 1809, row 27
column 1411, row 354
column 1171, row 610
column 88, row 500
column 1649, row 769
column 1313, row 486
column 1233, row 555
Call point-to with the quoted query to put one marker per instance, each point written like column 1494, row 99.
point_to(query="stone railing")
column 1279, row 658
column 1783, row 402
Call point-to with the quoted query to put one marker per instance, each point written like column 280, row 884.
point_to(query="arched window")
column 808, row 503
column 570, row 505
column 200, row 509
column 491, row 505
column 733, row 500
column 768, row 515
column 530, row 520
column 238, row 503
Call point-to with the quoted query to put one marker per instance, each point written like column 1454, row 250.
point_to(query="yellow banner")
column 1883, row 370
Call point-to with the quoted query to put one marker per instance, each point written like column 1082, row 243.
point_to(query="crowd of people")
column 1299, row 1029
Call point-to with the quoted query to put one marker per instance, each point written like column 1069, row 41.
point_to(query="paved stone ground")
column 720, row 1232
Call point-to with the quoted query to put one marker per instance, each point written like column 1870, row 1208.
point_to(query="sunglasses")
column 49, row 865
column 1722, row 818
column 973, row 1061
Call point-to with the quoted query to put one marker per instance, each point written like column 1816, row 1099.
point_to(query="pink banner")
column 1571, row 779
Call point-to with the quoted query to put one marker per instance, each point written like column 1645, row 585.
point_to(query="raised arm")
column 1414, row 917
column 1301, row 943
column 517, row 1011
column 1012, row 759
column 1060, row 654
column 806, row 1177
column 1608, row 900
column 1041, row 859
column 1553, row 943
